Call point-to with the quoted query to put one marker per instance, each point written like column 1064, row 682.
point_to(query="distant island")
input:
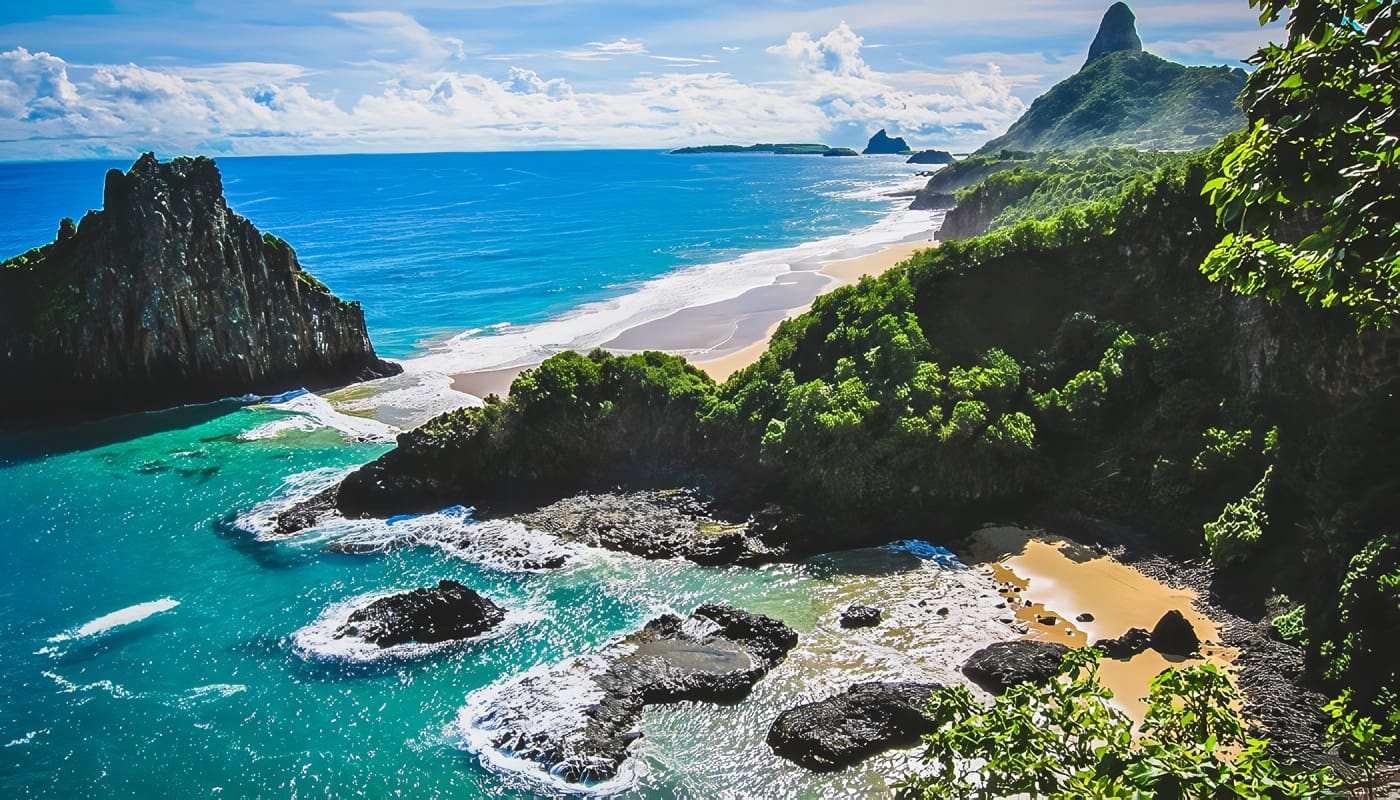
column 931, row 157
column 775, row 149
column 882, row 144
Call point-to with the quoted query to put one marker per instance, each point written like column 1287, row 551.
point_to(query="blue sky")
column 112, row 77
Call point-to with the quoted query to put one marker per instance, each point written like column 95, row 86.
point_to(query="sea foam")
column 592, row 324
column 116, row 619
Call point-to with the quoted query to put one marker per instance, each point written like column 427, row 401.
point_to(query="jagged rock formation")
column 1125, row 96
column 163, row 297
column 1117, row 33
column 882, row 144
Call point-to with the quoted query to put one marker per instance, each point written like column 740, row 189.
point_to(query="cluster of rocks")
column 715, row 655
column 653, row 524
column 1173, row 635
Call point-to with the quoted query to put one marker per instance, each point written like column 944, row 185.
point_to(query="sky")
column 110, row 78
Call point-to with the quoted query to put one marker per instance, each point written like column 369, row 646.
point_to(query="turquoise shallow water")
column 157, row 646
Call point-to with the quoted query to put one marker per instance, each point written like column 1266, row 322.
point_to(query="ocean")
column 159, row 642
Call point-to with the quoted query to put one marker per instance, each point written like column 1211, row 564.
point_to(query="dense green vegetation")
column 1063, row 740
column 1037, row 186
column 1134, row 99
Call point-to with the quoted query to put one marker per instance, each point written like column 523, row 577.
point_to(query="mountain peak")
column 1117, row 32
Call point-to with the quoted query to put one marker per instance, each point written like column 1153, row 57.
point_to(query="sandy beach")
column 1086, row 596
column 724, row 337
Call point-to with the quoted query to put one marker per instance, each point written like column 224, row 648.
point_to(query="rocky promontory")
column 165, row 297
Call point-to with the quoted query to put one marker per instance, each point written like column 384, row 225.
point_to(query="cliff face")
column 166, row 297
column 1117, row 32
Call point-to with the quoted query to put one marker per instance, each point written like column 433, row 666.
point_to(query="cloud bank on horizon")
column 108, row 78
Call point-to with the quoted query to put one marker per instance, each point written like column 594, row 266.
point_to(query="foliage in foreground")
column 1063, row 740
column 1309, row 198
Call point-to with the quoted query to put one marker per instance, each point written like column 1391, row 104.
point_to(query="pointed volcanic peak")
column 1124, row 96
column 1117, row 33
column 166, row 297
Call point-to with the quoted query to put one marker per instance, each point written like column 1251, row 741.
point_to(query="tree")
column 1063, row 740
column 1309, row 196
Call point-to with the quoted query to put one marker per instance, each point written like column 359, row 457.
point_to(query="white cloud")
column 35, row 86
column 684, row 61
column 397, row 28
column 250, row 108
column 838, row 52
column 604, row 51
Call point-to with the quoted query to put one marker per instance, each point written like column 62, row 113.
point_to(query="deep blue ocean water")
column 156, row 644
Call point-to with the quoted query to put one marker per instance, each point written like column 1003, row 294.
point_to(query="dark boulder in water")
column 858, row 616
column 866, row 719
column 445, row 613
column 166, row 297
column 1174, row 635
column 1001, row 665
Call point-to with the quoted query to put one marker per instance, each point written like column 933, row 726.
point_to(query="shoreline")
column 737, row 330
column 1059, row 589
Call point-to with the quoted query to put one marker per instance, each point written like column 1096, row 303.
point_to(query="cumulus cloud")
column 49, row 108
column 837, row 53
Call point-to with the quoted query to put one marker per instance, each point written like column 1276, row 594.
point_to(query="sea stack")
column 1117, row 32
column 882, row 144
column 166, row 297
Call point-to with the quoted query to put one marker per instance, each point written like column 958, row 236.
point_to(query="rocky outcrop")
column 931, row 157
column 673, row 523
column 164, row 297
column 882, row 144
column 1001, row 665
column 858, row 616
column 444, row 613
column 716, row 655
column 866, row 719
column 1174, row 635
column 1117, row 33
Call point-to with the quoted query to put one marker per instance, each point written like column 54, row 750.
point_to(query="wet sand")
column 724, row 362
column 1047, row 576
column 724, row 337
column 487, row 382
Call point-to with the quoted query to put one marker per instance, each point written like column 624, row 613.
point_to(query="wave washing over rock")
column 165, row 297
column 575, row 721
